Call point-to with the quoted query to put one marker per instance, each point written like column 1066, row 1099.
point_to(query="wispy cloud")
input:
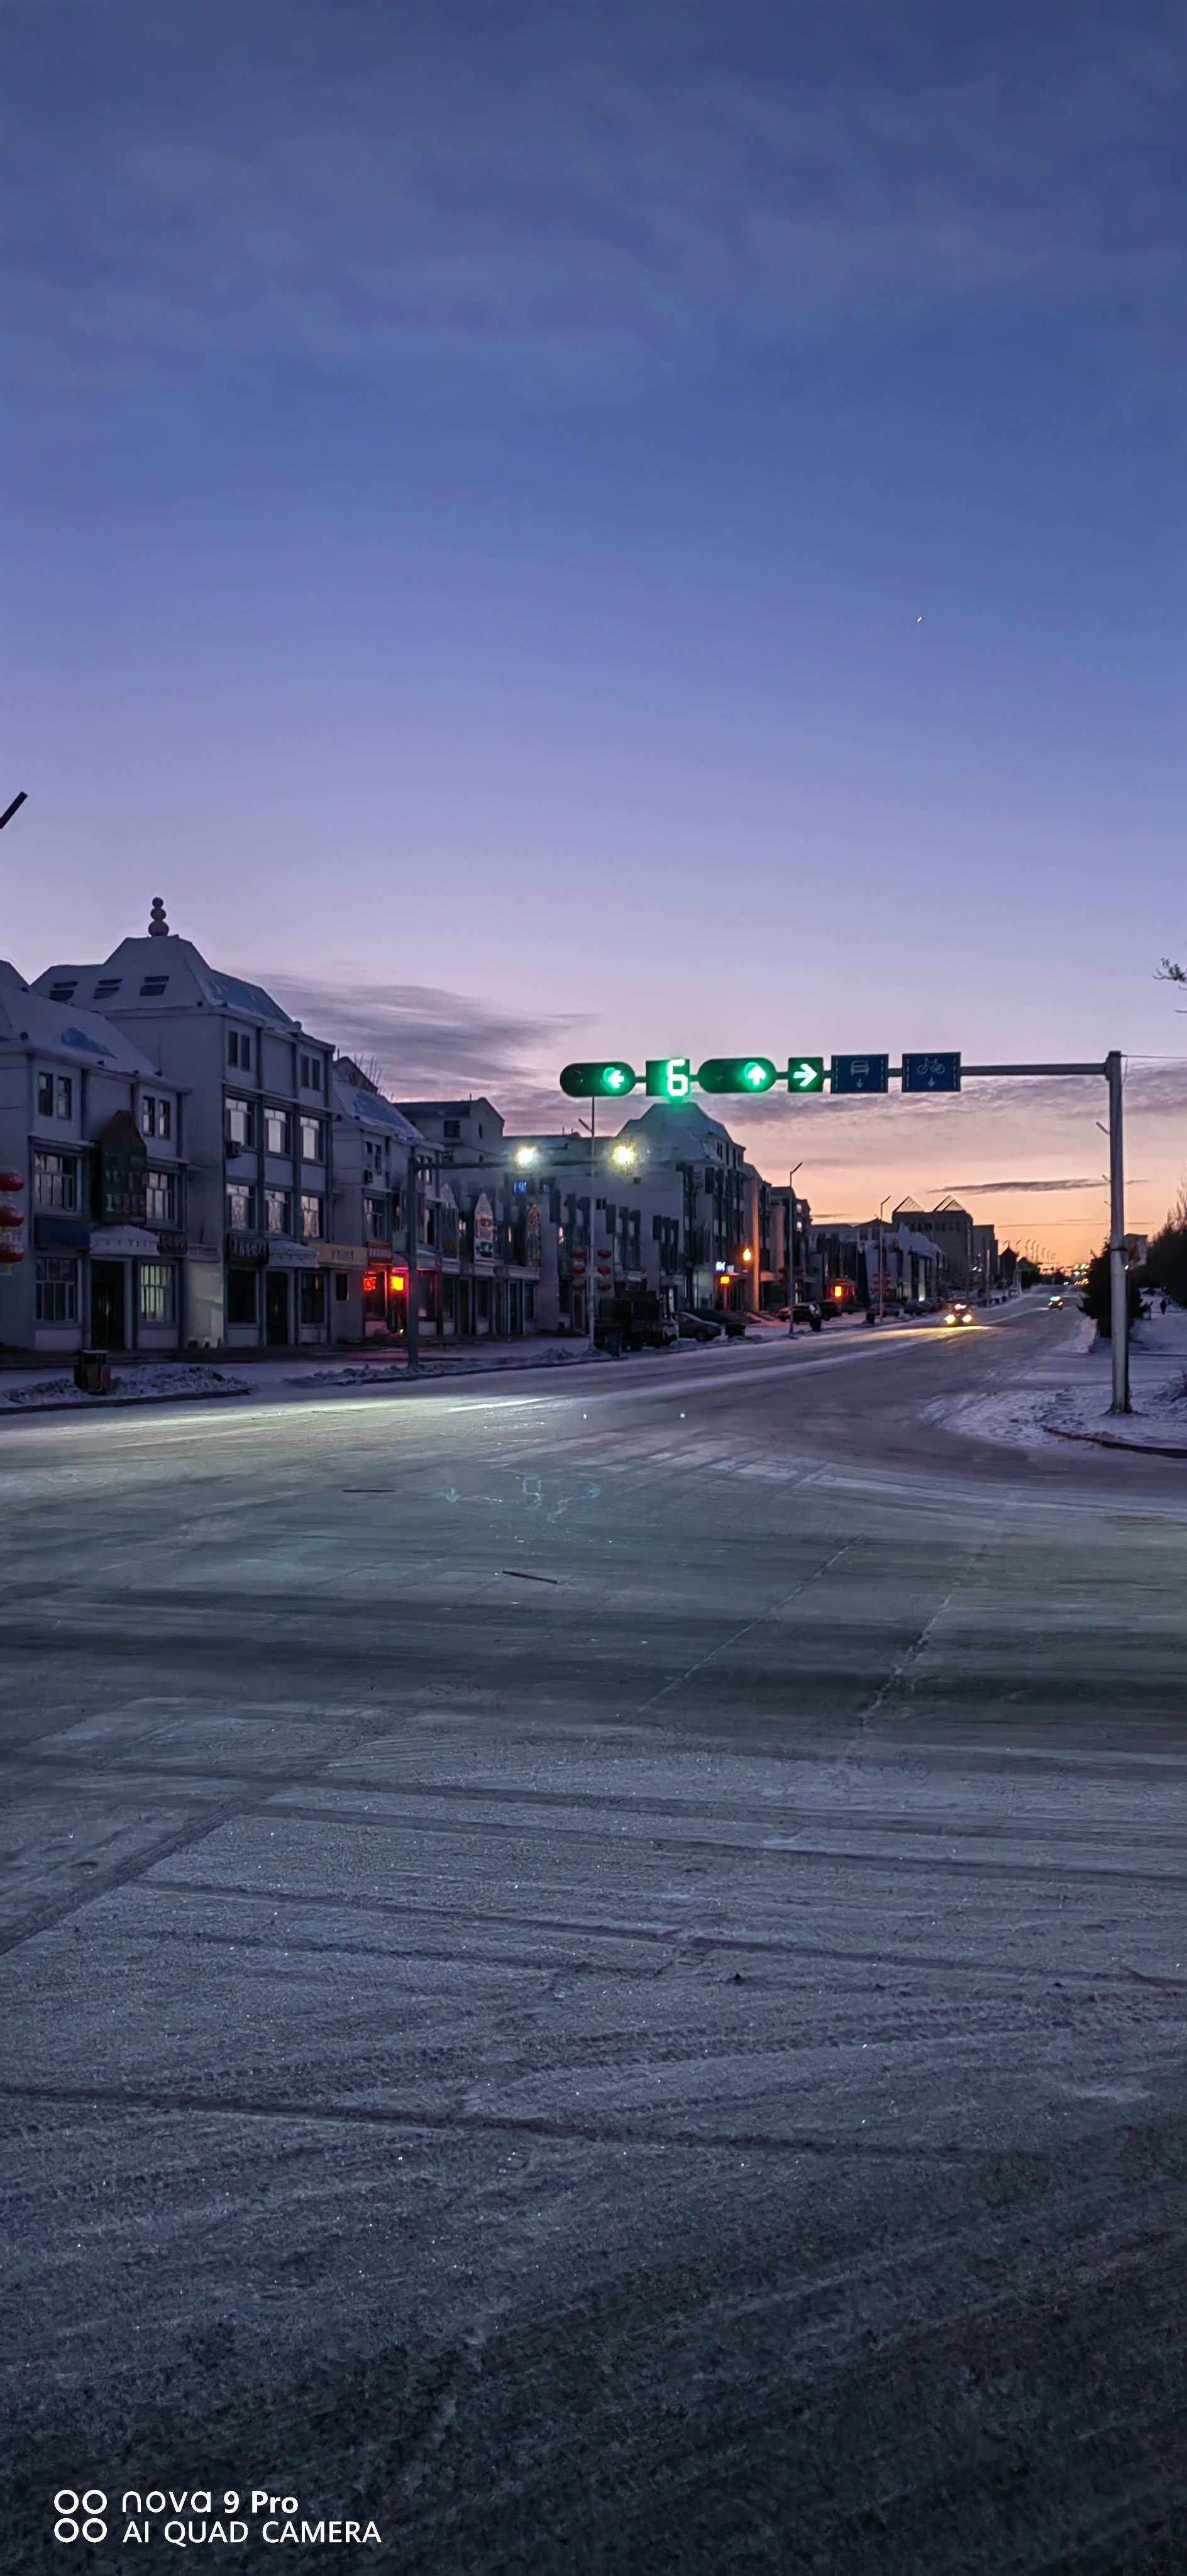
column 431, row 1043
column 967, row 1189
column 604, row 193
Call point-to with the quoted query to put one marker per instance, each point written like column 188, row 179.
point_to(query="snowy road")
column 596, row 1975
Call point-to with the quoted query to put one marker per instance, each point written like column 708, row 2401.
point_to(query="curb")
column 12, row 1412
column 1109, row 1440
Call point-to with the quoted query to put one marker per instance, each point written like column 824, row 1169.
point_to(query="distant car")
column 806, row 1313
column 1055, row 1301
column 958, row 1315
column 696, row 1328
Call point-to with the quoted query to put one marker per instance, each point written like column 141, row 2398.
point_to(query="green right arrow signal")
column 805, row 1073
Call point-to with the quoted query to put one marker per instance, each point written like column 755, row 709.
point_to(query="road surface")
column 595, row 1975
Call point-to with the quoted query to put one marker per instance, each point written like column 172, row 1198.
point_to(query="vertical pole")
column 591, row 1294
column 413, row 1267
column 1118, row 1283
column 791, row 1230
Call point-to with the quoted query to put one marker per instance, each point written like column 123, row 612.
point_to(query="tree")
column 1166, row 1263
column 1097, row 1298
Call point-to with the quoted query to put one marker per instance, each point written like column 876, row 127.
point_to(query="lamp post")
column 796, row 1167
column 412, row 1236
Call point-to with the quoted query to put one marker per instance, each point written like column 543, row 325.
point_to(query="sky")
column 654, row 528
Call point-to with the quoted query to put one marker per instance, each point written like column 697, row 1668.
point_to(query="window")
column 45, row 1095
column 63, row 992
column 64, row 1095
column 241, row 1296
column 277, row 1133
column 276, row 1211
column 156, row 1116
column 451, row 1130
column 152, row 987
column 106, row 987
column 311, row 1297
column 158, row 1300
column 311, row 1219
column 160, row 1204
column 241, row 1122
column 55, row 1180
column 57, row 1291
column 341, row 1286
column 311, row 1144
column 376, row 1220
column 241, row 1206
column 239, row 1049
column 164, row 1118
column 310, row 1072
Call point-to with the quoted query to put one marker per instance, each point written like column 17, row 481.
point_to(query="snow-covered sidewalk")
column 1066, row 1395
column 163, row 1383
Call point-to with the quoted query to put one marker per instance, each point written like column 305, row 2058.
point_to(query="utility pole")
column 796, row 1167
column 1118, row 1281
column 591, row 1274
column 413, row 1231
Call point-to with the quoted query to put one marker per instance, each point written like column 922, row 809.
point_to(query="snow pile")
column 1027, row 1417
column 395, row 1372
column 130, row 1386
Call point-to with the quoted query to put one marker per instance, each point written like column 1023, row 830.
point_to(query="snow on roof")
column 160, row 974
column 353, row 1100
column 28, row 1019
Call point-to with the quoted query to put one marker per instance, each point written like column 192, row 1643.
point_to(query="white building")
column 93, row 1169
column 259, row 1252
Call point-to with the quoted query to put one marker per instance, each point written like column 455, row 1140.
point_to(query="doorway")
column 107, row 1305
column 276, row 1307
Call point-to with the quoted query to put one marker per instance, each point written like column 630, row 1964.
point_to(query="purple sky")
column 545, row 528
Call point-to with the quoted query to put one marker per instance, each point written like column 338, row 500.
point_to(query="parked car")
column 732, row 1325
column 698, row 1328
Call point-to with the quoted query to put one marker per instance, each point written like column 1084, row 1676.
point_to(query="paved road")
column 596, row 1975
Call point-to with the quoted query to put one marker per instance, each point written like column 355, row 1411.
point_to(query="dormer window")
column 107, row 986
column 239, row 1049
column 152, row 987
column 310, row 1072
column 64, row 992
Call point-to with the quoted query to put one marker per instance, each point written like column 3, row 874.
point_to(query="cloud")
column 611, row 194
column 430, row 1043
column 1093, row 1182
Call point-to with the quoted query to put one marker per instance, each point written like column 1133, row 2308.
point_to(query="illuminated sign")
column 669, row 1077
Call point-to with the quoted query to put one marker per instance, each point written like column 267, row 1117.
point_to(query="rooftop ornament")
column 158, row 927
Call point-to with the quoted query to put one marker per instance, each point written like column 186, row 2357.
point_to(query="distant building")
column 969, row 1250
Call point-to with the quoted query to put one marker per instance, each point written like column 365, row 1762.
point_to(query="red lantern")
column 10, row 1216
column 12, row 1180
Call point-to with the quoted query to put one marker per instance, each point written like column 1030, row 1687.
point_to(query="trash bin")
column 613, row 1345
column 92, row 1372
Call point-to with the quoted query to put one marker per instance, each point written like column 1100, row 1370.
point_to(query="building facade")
column 257, row 1247
column 93, row 1175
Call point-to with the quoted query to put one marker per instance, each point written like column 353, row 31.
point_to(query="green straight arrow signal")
column 805, row 1073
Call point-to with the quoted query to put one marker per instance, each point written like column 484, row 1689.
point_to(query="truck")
column 635, row 1321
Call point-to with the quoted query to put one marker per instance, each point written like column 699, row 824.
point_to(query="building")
column 93, row 1152
column 694, row 1181
column 372, row 1143
column 258, row 1253
column 970, row 1253
column 495, row 1252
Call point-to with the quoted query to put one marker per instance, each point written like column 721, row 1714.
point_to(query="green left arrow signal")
column 606, row 1081
column 805, row 1073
